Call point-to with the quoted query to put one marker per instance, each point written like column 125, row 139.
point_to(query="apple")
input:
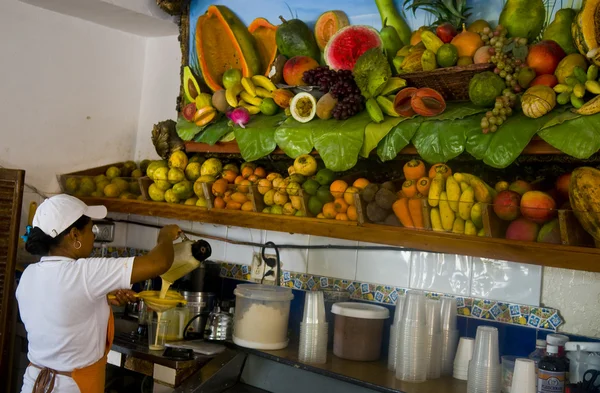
column 446, row 32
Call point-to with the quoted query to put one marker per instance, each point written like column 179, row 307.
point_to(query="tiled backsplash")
column 444, row 273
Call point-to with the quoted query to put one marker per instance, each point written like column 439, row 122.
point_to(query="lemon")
column 136, row 174
column 175, row 175
column 72, row 184
column 191, row 201
column 170, row 197
column 447, row 55
column 99, row 178
column 113, row 172
column 201, row 202
column 211, row 167
column 183, row 190
column 153, row 166
column 162, row 185
column 121, row 183
column 232, row 77
column 178, row 160
column 161, row 174
column 156, row 194
column 87, row 186
column 192, row 171
column 100, row 185
column 112, row 190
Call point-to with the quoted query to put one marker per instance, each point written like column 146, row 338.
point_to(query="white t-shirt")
column 62, row 303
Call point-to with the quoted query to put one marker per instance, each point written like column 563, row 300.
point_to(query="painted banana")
column 453, row 192
column 464, row 186
column 387, row 106
column 436, row 220
column 466, row 202
column 374, row 110
column 232, row 93
column 435, row 190
column 253, row 110
column 458, row 226
column 250, row 100
column 249, row 86
column 264, row 93
column 264, row 82
column 446, row 213
column 470, row 228
column 591, row 107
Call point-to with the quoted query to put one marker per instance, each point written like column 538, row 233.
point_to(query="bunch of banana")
column 384, row 103
column 457, row 203
column 251, row 92
column 575, row 88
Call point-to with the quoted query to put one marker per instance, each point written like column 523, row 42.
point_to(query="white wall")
column 69, row 91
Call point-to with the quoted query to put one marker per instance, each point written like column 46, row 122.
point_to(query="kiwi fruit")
column 388, row 185
column 375, row 213
column 385, row 198
column 368, row 193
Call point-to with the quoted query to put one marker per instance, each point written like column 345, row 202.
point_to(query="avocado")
column 294, row 38
column 190, row 85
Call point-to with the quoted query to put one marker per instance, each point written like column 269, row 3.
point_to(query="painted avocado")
column 294, row 38
column 190, row 85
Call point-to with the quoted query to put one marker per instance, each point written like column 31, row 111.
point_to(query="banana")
column 436, row 220
column 253, row 110
column 250, row 100
column 580, row 74
column 589, row 108
column 578, row 103
column 483, row 192
column 458, row 226
column 481, row 232
column 264, row 82
column 476, row 215
column 393, row 85
column 232, row 93
column 435, row 190
column 593, row 87
column 374, row 110
column 470, row 228
column 592, row 72
column 446, row 213
column 453, row 192
column 466, row 177
column 579, row 90
column 264, row 93
column 466, row 202
column 562, row 88
column 249, row 86
column 464, row 186
column 387, row 106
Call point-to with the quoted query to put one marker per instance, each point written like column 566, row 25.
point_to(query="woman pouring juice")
column 63, row 298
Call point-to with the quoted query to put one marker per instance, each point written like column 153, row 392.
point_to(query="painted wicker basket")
column 451, row 82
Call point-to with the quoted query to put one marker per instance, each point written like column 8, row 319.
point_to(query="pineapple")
column 454, row 12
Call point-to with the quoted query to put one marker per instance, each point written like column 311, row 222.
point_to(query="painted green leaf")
column 573, row 134
column 338, row 142
column 477, row 142
column 455, row 111
column 397, row 139
column 214, row 132
column 296, row 138
column 375, row 132
column 258, row 138
column 440, row 141
column 186, row 130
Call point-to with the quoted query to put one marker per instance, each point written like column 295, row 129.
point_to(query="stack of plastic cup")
column 434, row 338
column 524, row 377
column 449, row 334
column 462, row 358
column 484, row 367
column 394, row 338
column 411, row 365
column 313, row 330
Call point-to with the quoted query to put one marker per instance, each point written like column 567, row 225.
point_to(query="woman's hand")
column 169, row 233
column 122, row 297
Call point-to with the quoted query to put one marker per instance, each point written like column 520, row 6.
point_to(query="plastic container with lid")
column 583, row 356
column 261, row 316
column 558, row 340
column 358, row 330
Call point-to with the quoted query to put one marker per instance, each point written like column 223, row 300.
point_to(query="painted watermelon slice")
column 348, row 44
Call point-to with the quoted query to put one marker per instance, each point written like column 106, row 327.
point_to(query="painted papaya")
column 264, row 34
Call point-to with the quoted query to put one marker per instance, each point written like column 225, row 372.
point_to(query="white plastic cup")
column 523, row 380
column 448, row 313
column 463, row 356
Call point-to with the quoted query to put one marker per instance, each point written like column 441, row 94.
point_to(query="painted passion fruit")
column 303, row 107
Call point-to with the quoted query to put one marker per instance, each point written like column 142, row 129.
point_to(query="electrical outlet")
column 104, row 231
column 258, row 267
column 270, row 277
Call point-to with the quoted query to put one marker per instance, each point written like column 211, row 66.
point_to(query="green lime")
column 447, row 55
column 269, row 107
column 315, row 206
column 230, row 136
column 324, row 195
column 276, row 209
column 231, row 77
column 325, row 177
column 464, row 61
column 311, row 186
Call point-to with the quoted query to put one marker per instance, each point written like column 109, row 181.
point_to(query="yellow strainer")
column 153, row 300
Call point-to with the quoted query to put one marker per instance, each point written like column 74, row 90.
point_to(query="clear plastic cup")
column 448, row 313
column 399, row 309
column 448, row 346
column 393, row 348
column 508, row 367
column 313, row 343
column 524, row 377
column 414, row 308
column 314, row 308
column 434, row 358
column 157, row 334
column 432, row 316
column 486, row 351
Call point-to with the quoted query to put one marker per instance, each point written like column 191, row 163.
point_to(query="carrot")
column 414, row 169
column 415, row 209
column 400, row 208
column 439, row 168
column 423, row 185
column 409, row 188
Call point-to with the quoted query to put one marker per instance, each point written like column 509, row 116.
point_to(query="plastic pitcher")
column 188, row 256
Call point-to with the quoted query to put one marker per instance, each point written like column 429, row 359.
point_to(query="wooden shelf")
column 568, row 257
column 535, row 146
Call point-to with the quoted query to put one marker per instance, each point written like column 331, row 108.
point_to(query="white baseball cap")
column 59, row 212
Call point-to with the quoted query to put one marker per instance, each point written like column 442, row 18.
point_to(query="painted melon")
column 264, row 34
column 348, row 44
column 327, row 25
column 224, row 42
column 586, row 30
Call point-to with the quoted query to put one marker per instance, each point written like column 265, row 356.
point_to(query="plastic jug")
column 188, row 256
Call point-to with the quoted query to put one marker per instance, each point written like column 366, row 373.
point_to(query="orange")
column 239, row 197
column 338, row 188
column 260, row 172
column 238, row 180
column 247, row 172
column 352, row 213
column 227, row 196
column 244, row 185
column 329, row 210
column 233, row 205
column 361, row 183
column 219, row 203
column 340, row 205
column 349, row 195
column 247, row 206
column 219, row 187
column 467, row 43
column 341, row 217
column 229, row 176
column 253, row 178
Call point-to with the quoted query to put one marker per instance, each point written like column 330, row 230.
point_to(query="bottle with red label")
column 552, row 372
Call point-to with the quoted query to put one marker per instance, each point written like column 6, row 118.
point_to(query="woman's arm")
column 159, row 259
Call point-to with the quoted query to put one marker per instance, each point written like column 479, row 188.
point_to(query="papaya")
column 584, row 195
column 586, row 30
column 224, row 42
column 264, row 34
column 329, row 23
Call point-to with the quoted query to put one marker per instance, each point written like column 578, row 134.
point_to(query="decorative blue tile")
column 476, row 312
column 324, row 281
column 297, row 284
column 311, row 283
column 245, row 269
column 533, row 320
column 394, row 296
column 460, row 302
column 286, row 277
column 555, row 320
column 495, row 311
column 379, row 296
column 351, row 288
column 515, row 310
column 364, row 288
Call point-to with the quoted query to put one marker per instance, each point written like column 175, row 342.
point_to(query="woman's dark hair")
column 38, row 243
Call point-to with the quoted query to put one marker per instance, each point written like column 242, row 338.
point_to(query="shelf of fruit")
column 431, row 209
column 346, row 91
